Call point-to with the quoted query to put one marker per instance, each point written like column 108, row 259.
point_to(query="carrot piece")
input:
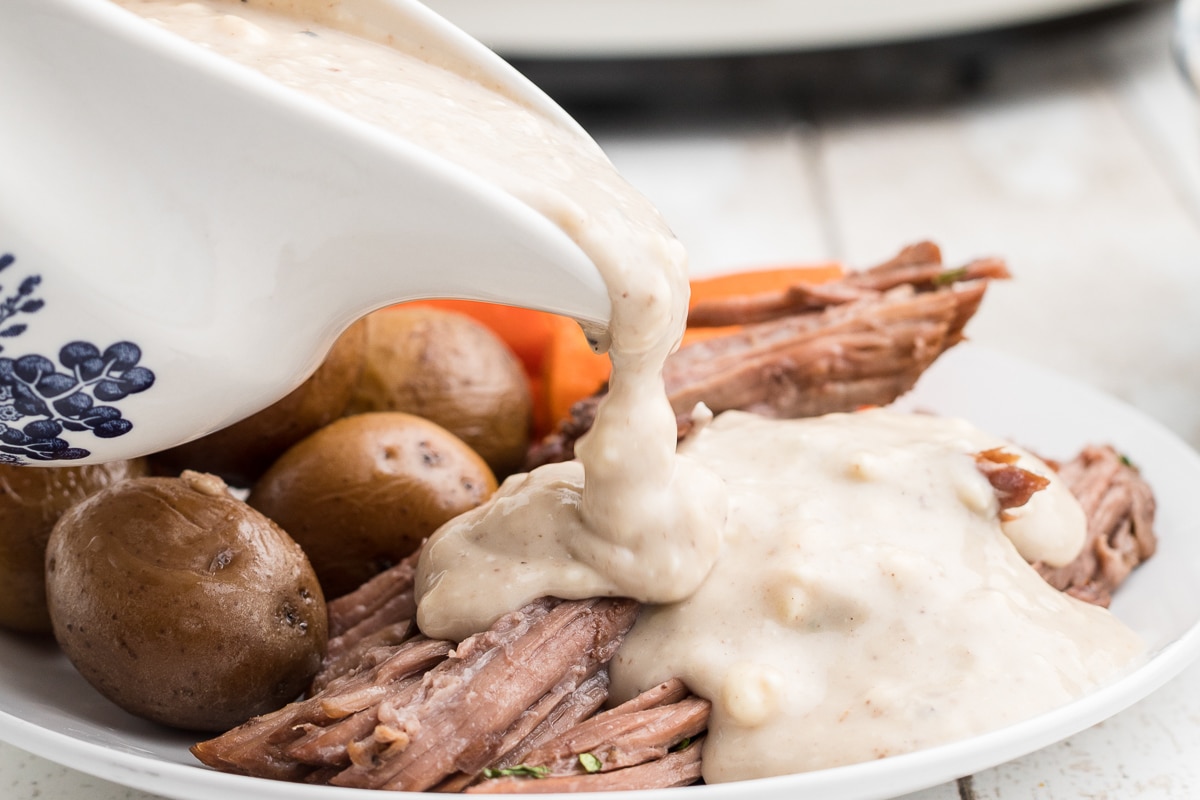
column 526, row 332
column 572, row 371
column 561, row 366
column 543, row 423
column 762, row 281
column 553, row 350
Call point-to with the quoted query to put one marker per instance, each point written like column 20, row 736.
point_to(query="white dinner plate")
column 625, row 28
column 46, row 708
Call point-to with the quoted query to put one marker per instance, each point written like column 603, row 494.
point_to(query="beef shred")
column 814, row 349
column 421, row 714
column 1120, row 508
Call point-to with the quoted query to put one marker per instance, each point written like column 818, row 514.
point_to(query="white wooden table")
column 1078, row 159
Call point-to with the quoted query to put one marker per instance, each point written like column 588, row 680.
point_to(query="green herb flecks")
column 519, row 771
column 590, row 763
column 950, row 276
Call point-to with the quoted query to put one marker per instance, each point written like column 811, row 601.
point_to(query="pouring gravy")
column 841, row 589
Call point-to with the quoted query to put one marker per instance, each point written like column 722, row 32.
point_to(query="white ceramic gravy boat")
column 181, row 238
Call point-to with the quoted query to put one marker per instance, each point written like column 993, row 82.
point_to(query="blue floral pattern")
column 22, row 302
column 60, row 398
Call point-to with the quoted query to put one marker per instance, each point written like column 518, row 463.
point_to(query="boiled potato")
column 452, row 370
column 362, row 493
column 182, row 604
column 243, row 451
column 31, row 501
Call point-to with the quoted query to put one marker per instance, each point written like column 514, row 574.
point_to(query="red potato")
column 182, row 604
column 361, row 494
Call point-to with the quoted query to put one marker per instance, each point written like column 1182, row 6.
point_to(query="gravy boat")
column 182, row 238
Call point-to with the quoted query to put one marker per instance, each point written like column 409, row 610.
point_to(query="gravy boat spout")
column 182, row 238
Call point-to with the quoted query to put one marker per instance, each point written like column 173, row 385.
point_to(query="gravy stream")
column 841, row 588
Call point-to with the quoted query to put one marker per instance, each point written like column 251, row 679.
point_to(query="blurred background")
column 1058, row 134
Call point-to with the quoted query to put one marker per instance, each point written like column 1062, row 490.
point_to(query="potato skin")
column 31, row 501
column 362, row 493
column 450, row 369
column 241, row 452
column 182, row 604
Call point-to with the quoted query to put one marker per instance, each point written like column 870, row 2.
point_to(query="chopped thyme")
column 519, row 771
column 950, row 276
column 590, row 763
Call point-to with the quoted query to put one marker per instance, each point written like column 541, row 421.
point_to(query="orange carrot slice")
column 526, row 332
column 762, row 281
column 561, row 366
column 748, row 284
column 572, row 371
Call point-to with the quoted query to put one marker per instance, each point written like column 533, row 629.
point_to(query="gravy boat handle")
column 181, row 238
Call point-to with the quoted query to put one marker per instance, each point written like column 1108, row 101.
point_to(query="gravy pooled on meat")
column 840, row 589
column 869, row 599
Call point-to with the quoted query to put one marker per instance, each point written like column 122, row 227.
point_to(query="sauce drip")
column 649, row 521
column 841, row 589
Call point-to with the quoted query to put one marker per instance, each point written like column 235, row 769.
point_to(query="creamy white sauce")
column 866, row 601
column 842, row 589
